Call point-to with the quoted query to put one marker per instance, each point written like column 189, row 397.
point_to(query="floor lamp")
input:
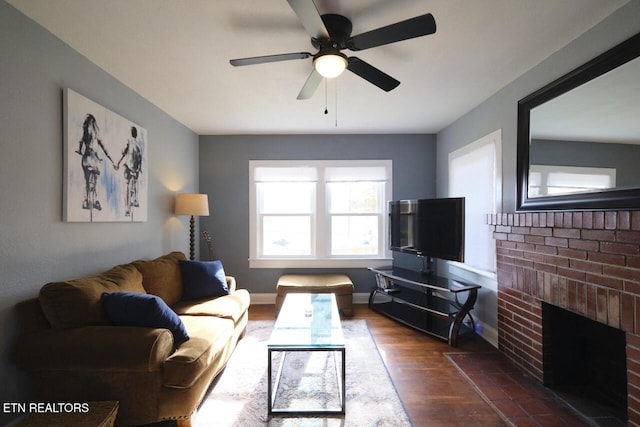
column 193, row 205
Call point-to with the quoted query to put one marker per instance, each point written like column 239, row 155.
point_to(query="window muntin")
column 319, row 210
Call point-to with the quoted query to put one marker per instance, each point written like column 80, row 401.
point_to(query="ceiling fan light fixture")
column 330, row 65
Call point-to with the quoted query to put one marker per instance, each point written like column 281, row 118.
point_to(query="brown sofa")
column 74, row 353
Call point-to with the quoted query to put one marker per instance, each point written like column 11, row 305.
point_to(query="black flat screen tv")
column 428, row 227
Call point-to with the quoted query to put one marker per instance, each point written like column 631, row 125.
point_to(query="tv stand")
column 428, row 303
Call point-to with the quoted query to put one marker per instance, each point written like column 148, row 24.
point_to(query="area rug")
column 239, row 396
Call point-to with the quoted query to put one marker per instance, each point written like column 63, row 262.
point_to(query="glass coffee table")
column 306, row 323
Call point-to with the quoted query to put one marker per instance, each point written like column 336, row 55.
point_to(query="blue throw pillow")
column 146, row 310
column 203, row 279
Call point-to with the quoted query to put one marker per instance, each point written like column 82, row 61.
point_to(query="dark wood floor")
column 432, row 390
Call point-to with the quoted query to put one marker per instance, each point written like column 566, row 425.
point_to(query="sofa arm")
column 231, row 283
column 115, row 348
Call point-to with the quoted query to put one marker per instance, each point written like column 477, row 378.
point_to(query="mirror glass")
column 579, row 137
column 588, row 139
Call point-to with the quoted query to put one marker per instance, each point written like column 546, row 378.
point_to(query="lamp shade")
column 330, row 65
column 192, row 204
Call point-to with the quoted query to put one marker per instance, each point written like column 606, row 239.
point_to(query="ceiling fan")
column 331, row 33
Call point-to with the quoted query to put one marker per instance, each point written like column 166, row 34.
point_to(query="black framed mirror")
column 579, row 137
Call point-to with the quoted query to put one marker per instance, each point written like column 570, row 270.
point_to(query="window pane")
column 354, row 235
column 289, row 197
column 286, row 235
column 354, row 197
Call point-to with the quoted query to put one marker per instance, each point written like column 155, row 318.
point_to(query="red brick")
column 599, row 235
column 598, row 220
column 515, row 237
column 587, row 245
column 556, row 241
column 633, row 262
column 528, row 219
column 577, row 220
column 624, row 220
column 621, row 272
column 608, row 281
column 542, row 231
column 613, row 309
column 572, row 233
column 572, row 253
column 631, row 287
column 627, row 312
column 551, row 250
column 587, row 266
column 628, row 236
column 633, row 340
column 538, row 240
column 607, row 258
column 620, row 248
column 601, row 305
column 587, row 219
column 571, row 273
column 556, row 260
column 550, row 219
column 540, row 266
column 590, row 312
column 611, row 220
column 635, row 220
column 558, row 219
column 572, row 295
column 500, row 236
column 581, row 297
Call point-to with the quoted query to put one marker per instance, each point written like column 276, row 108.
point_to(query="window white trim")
column 320, row 257
column 487, row 149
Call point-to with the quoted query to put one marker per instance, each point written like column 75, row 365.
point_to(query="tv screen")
column 428, row 227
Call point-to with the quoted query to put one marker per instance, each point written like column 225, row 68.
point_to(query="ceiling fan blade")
column 415, row 27
column 372, row 74
column 269, row 58
column 310, row 86
column 310, row 17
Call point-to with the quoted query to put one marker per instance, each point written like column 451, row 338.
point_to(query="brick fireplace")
column 585, row 262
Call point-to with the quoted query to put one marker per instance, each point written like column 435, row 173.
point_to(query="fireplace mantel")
column 585, row 262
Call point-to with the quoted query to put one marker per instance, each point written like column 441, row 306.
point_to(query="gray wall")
column 224, row 175
column 500, row 111
column 35, row 245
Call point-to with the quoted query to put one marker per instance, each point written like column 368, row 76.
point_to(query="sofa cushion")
column 231, row 306
column 146, row 310
column 202, row 279
column 207, row 348
column 77, row 302
column 162, row 277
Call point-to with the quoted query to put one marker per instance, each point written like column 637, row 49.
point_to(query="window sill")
column 320, row 263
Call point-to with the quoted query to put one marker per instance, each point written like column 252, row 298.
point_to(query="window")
column 475, row 174
column 549, row 180
column 319, row 213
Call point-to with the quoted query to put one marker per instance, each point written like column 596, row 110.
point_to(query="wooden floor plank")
column 432, row 390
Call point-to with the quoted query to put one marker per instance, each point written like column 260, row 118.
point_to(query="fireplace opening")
column 585, row 362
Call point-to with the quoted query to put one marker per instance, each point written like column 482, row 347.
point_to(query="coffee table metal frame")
column 272, row 389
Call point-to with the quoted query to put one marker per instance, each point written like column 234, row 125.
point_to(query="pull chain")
column 325, row 96
column 336, row 101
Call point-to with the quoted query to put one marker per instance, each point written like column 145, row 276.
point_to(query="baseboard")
column 488, row 333
column 260, row 299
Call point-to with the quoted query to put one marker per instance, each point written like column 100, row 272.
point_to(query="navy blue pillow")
column 203, row 279
column 146, row 310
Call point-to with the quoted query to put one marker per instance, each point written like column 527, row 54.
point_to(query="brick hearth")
column 584, row 262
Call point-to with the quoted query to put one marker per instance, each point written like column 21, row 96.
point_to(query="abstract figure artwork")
column 105, row 164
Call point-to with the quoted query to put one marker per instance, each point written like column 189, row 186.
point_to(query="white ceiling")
column 175, row 53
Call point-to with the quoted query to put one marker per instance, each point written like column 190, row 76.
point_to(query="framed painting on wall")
column 105, row 164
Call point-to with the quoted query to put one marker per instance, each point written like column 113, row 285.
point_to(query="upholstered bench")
column 338, row 284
